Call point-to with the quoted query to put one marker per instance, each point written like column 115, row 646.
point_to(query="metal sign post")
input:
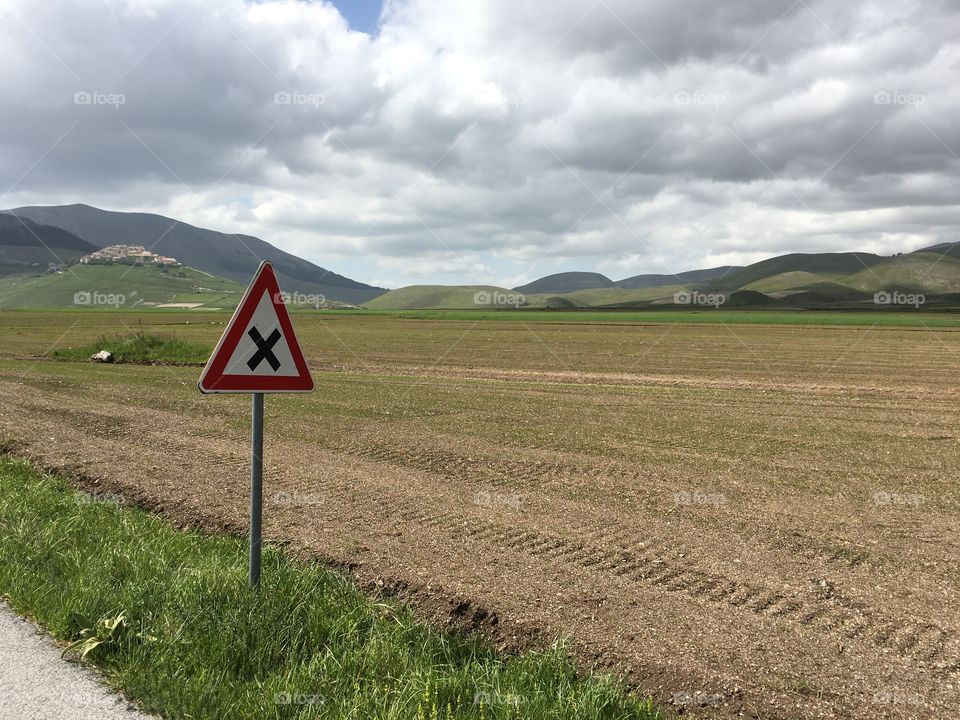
column 256, row 491
column 258, row 353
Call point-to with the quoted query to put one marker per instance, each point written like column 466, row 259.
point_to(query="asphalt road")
column 36, row 684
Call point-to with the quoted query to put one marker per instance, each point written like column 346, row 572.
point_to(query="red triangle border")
column 213, row 379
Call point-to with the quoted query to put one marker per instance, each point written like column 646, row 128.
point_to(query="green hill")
column 784, row 281
column 431, row 297
column 750, row 299
column 568, row 282
column 798, row 280
column 602, row 297
column 831, row 264
column 122, row 286
column 824, row 294
column 689, row 276
column 951, row 248
column 557, row 302
column 930, row 273
column 835, row 280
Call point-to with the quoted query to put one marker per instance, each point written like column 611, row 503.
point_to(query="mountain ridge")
column 234, row 256
column 27, row 246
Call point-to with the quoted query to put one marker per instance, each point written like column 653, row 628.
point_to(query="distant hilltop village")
column 126, row 255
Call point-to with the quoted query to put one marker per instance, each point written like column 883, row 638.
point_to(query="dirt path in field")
column 753, row 602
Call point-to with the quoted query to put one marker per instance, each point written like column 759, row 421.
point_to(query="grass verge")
column 140, row 348
column 814, row 318
column 168, row 617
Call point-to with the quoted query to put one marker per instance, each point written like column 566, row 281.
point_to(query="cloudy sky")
column 495, row 141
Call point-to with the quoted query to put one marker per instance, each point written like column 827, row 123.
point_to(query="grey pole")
column 256, row 491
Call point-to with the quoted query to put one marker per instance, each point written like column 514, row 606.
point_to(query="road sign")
column 259, row 351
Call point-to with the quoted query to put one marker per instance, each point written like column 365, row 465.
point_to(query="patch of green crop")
column 140, row 348
column 879, row 318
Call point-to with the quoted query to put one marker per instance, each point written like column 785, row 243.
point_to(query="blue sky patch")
column 361, row 14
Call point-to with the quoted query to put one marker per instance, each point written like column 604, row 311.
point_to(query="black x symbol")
column 264, row 349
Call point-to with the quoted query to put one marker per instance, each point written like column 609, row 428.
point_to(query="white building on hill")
column 126, row 255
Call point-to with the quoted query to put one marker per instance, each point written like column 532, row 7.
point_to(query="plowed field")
column 751, row 519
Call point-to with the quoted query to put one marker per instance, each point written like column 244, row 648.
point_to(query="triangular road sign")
column 258, row 352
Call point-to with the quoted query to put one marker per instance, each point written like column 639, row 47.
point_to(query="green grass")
column 168, row 617
column 868, row 318
column 118, row 287
column 140, row 348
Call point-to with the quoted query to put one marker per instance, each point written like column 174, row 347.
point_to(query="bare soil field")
column 746, row 520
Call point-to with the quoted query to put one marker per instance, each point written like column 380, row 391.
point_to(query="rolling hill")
column 232, row 256
column 690, row 276
column 824, row 293
column 785, row 281
column 28, row 247
column 602, row 297
column 821, row 280
column 818, row 263
column 952, row 249
column 457, row 297
column 924, row 272
column 570, row 282
column 566, row 283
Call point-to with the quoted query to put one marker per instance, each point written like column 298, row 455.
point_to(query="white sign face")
column 262, row 350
